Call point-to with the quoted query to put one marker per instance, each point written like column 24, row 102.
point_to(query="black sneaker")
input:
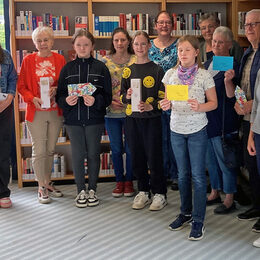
column 256, row 226
column 81, row 200
column 197, row 231
column 250, row 214
column 180, row 222
column 92, row 199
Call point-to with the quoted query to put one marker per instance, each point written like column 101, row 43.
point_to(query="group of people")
column 169, row 139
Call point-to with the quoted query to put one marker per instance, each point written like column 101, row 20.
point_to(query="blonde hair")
column 42, row 29
column 193, row 40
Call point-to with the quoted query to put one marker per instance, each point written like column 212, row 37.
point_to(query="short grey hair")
column 253, row 11
column 42, row 29
column 225, row 32
column 209, row 16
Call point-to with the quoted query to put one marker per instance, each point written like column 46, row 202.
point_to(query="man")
column 250, row 64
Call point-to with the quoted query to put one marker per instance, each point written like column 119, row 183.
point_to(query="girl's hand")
column 52, row 92
column 194, row 104
column 251, row 146
column 72, row 100
column 5, row 103
column 144, row 107
column 240, row 110
column 37, row 102
column 165, row 104
column 88, row 100
column 248, row 106
column 117, row 105
column 229, row 75
column 129, row 93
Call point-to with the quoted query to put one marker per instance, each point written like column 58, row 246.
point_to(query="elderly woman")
column 208, row 23
column 8, row 79
column 40, row 71
column 221, row 177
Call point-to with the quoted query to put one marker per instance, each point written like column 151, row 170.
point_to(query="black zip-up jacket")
column 83, row 70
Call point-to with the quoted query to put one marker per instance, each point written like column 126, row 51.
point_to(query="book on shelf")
column 106, row 164
column 241, row 22
column 81, row 22
column 62, row 135
column 98, row 54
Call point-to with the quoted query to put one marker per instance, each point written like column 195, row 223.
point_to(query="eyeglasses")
column 218, row 42
column 252, row 25
column 161, row 23
column 210, row 27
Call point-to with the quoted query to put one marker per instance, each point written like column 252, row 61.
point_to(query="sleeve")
column 104, row 98
column 125, row 85
column 255, row 102
column 208, row 81
column 22, row 81
column 11, row 78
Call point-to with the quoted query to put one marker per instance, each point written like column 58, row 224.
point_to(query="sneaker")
column 53, row 191
column 82, row 199
column 43, row 196
column 129, row 189
column 5, row 203
column 92, row 199
column 118, row 191
column 197, row 231
column 141, row 200
column 256, row 226
column 250, row 214
column 257, row 243
column 180, row 222
column 159, row 202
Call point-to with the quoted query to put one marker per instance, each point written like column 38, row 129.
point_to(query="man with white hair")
column 250, row 64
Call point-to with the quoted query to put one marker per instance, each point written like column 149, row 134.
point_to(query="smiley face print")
column 126, row 73
column 148, row 81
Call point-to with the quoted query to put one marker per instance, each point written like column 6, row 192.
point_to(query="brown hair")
column 1, row 55
column 112, row 49
column 210, row 16
column 163, row 12
column 193, row 40
column 143, row 33
column 83, row 32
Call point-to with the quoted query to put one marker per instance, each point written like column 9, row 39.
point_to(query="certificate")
column 177, row 92
column 222, row 63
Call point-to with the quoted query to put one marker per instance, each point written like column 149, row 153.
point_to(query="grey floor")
column 113, row 230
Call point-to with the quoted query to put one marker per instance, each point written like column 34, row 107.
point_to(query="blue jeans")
column 221, row 177
column 169, row 162
column 190, row 153
column 115, row 128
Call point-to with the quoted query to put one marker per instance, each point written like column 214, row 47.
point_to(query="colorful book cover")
column 240, row 96
column 81, row 89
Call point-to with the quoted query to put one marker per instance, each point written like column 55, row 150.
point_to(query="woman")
column 208, row 23
column 8, row 79
column 41, row 70
column 221, row 177
column 164, row 53
column 120, row 57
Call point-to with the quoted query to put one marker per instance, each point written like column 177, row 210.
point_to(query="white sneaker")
column 257, row 243
column 82, row 199
column 141, row 200
column 43, row 196
column 92, row 199
column 159, row 202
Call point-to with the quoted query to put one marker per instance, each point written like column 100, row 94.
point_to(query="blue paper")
column 222, row 63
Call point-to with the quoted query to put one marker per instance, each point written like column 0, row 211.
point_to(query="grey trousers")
column 85, row 143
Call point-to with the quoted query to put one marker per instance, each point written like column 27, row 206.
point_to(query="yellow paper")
column 177, row 92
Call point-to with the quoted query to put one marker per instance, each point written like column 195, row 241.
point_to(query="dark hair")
column 83, row 32
column 1, row 55
column 210, row 16
column 163, row 12
column 112, row 49
column 143, row 33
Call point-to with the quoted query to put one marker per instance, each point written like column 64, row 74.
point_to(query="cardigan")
column 27, row 83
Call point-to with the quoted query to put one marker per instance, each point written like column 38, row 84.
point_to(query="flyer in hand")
column 81, row 89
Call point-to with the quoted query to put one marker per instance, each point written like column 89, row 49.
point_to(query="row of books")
column 106, row 164
column 184, row 24
column 26, row 22
column 58, row 168
column 104, row 25
column 241, row 22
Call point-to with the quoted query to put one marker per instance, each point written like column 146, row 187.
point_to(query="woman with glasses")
column 163, row 52
column 208, row 23
column 40, row 71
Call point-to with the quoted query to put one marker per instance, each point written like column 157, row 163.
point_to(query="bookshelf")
column 228, row 8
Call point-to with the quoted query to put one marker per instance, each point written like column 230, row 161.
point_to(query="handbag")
column 231, row 145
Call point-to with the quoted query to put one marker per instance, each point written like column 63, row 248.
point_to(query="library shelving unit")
column 228, row 8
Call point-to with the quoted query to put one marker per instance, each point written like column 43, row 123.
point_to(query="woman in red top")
column 37, row 84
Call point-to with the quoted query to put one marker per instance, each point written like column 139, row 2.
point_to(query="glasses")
column 210, row 27
column 161, row 23
column 218, row 42
column 252, row 25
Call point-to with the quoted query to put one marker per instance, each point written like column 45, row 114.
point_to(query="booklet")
column 240, row 96
column 45, row 87
column 81, row 89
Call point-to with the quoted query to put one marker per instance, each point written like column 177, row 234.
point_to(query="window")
column 2, row 24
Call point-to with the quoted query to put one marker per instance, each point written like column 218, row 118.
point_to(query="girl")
column 84, row 115
column 143, row 128
column 120, row 57
column 188, row 132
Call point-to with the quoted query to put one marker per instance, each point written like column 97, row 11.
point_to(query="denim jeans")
column 221, row 177
column 190, row 153
column 115, row 128
column 169, row 163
